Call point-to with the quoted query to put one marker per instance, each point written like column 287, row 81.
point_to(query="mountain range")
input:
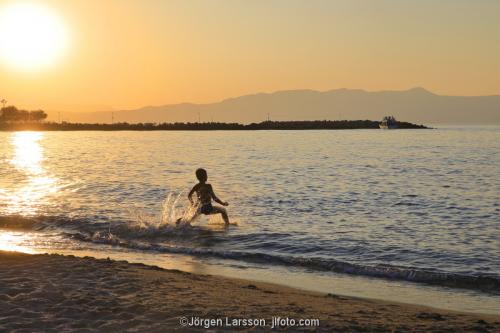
column 416, row 105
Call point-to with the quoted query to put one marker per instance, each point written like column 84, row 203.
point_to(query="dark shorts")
column 207, row 209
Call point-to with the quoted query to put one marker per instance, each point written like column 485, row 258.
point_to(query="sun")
column 32, row 37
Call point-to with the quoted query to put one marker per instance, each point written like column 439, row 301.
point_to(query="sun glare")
column 31, row 36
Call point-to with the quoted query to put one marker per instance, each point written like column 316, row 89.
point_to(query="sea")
column 410, row 216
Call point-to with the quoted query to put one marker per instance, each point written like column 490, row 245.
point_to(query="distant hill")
column 416, row 105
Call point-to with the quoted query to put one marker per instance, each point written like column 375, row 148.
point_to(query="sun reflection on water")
column 12, row 241
column 35, row 183
column 28, row 153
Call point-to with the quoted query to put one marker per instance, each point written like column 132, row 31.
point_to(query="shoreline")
column 209, row 126
column 68, row 293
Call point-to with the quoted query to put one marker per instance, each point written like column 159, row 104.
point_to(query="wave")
column 148, row 234
column 16, row 222
column 139, row 223
column 487, row 283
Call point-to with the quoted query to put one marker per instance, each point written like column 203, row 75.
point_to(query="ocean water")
column 411, row 209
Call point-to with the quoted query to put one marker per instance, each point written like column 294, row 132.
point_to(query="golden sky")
column 125, row 54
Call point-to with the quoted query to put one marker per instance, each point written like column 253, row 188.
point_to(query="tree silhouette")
column 37, row 115
column 12, row 114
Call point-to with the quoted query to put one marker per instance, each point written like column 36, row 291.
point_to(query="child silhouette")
column 205, row 194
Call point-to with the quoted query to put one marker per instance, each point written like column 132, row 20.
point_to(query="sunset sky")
column 123, row 54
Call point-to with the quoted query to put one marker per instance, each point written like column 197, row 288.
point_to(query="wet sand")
column 55, row 293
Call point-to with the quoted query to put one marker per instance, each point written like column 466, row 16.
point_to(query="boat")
column 389, row 122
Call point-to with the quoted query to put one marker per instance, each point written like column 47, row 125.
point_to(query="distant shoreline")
column 210, row 126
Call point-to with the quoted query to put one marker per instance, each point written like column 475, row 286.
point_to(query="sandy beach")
column 55, row 293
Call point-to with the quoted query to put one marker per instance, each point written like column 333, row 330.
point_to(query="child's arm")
column 190, row 195
column 223, row 203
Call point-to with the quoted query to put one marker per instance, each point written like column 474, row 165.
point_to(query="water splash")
column 173, row 218
column 106, row 238
column 173, row 212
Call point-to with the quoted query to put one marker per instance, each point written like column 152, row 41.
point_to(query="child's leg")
column 222, row 211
